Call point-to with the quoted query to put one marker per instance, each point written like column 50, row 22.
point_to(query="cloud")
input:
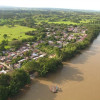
column 77, row 4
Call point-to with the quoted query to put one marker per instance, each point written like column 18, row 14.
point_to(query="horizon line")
column 3, row 6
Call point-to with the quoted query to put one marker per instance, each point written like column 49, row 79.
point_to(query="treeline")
column 45, row 64
column 74, row 48
column 42, row 65
column 33, row 17
column 10, row 84
column 2, row 46
column 29, row 33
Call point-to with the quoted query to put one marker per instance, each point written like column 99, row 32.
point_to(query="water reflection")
column 67, row 73
column 36, row 91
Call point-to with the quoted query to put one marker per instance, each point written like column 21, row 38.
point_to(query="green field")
column 85, row 21
column 64, row 22
column 17, row 32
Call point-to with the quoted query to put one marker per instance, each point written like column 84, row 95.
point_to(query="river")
column 79, row 79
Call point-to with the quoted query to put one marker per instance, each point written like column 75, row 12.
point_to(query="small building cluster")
column 25, row 52
column 62, row 38
column 56, row 38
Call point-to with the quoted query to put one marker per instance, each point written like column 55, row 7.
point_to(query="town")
column 13, row 59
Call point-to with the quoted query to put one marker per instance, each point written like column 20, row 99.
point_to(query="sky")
column 70, row 4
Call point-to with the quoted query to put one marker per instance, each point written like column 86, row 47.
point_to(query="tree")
column 15, row 44
column 31, row 66
column 4, row 92
column 4, row 42
column 4, row 79
column 5, row 36
column 18, row 79
column 27, row 53
column 2, row 47
column 4, row 83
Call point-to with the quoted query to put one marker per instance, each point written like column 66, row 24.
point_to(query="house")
column 3, row 71
column 8, row 61
column 35, row 58
column 54, row 32
column 65, row 43
column 13, row 54
column 16, row 66
column 20, row 61
column 65, row 35
column 62, row 39
column 50, row 42
column 71, row 37
column 1, row 66
column 34, row 54
column 49, row 35
column 70, row 29
column 59, row 42
column 36, row 44
column 75, row 30
column 57, row 37
column 41, row 55
column 28, row 45
column 83, row 31
column 3, row 59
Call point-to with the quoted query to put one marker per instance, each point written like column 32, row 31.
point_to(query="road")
column 5, row 65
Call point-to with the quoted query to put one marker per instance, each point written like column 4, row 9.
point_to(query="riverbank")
column 78, row 79
column 70, row 53
column 46, row 65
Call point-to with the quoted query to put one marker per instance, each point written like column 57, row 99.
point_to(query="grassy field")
column 17, row 32
column 85, row 21
column 64, row 22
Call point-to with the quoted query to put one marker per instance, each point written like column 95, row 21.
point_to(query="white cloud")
column 77, row 4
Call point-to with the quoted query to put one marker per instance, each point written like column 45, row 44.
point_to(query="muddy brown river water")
column 79, row 79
